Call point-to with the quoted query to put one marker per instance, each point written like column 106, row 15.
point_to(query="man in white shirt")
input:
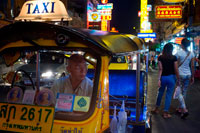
column 186, row 72
column 76, row 82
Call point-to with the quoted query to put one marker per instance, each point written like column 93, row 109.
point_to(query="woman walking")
column 186, row 71
column 168, row 68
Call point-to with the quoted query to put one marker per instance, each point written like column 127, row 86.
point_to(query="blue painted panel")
column 123, row 83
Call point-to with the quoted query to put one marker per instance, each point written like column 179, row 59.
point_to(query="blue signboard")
column 108, row 6
column 146, row 35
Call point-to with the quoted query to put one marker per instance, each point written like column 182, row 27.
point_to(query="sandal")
column 155, row 111
column 166, row 115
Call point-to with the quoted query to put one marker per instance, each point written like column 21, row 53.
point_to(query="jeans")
column 184, row 83
column 167, row 82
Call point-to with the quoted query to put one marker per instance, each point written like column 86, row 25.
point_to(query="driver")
column 76, row 82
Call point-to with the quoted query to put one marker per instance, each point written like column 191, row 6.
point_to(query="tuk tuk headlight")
column 47, row 74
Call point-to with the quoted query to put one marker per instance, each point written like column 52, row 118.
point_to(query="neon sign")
column 168, row 11
column 105, row 7
column 146, row 35
column 173, row 1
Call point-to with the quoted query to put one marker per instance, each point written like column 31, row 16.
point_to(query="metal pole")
column 147, row 70
column 38, row 71
column 138, row 88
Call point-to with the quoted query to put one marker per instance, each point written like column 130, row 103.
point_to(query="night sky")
column 125, row 15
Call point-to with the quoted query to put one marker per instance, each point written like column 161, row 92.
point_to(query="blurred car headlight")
column 47, row 74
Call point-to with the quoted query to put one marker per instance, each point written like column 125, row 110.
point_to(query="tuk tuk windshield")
column 50, row 78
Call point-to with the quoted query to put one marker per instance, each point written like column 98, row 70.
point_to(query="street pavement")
column 175, row 124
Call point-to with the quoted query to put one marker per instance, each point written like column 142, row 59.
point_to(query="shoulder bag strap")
column 184, row 59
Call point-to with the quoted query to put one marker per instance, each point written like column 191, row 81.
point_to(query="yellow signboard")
column 173, row 1
column 26, row 118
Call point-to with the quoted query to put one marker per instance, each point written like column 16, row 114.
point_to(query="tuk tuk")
column 35, row 54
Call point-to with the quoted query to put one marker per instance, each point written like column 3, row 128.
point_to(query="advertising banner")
column 173, row 1
column 168, row 12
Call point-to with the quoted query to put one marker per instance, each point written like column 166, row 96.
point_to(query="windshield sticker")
column 64, row 102
column 15, row 95
column 82, row 103
column 29, row 97
column 45, row 97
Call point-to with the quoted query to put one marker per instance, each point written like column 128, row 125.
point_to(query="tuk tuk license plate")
column 26, row 118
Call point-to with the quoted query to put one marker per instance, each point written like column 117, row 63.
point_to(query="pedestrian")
column 168, row 72
column 153, row 62
column 186, row 71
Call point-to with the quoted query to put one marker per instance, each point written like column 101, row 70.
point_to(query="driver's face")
column 78, row 70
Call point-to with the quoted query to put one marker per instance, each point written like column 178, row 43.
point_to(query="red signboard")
column 178, row 40
column 168, row 11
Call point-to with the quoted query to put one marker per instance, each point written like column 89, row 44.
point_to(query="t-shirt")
column 63, row 85
column 184, row 69
column 167, row 65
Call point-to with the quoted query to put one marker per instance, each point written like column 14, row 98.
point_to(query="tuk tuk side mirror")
column 11, row 57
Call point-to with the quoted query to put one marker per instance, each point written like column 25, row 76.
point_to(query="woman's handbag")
column 177, row 92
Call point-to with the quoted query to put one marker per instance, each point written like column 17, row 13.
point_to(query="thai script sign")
column 173, row 1
column 26, row 118
column 168, row 11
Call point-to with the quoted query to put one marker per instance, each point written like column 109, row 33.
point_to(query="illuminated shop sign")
column 94, row 17
column 105, row 17
column 108, row 6
column 104, row 1
column 104, row 25
column 168, row 11
column 105, row 12
column 48, row 10
column 146, row 35
column 178, row 40
column 173, row 1
column 149, row 8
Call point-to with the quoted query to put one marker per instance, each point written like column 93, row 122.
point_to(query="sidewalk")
column 174, row 124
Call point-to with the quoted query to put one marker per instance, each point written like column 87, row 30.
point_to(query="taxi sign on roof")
column 43, row 10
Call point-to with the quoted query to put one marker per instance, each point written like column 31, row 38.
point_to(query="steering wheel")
column 20, row 70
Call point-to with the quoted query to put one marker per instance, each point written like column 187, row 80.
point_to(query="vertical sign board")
column 144, row 17
column 26, row 118
column 168, row 12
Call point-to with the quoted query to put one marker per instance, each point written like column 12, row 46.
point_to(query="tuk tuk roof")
column 30, row 34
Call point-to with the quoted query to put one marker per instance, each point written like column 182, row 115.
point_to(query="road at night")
column 174, row 124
